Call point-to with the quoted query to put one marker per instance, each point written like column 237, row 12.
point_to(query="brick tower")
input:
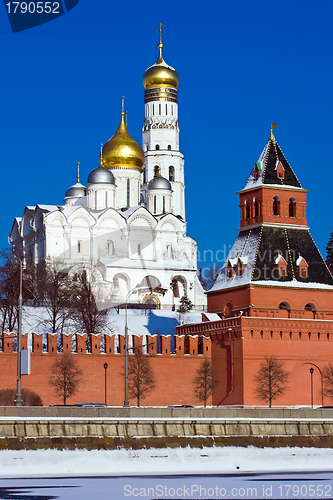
column 274, row 294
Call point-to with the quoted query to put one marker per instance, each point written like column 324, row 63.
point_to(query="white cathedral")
column 127, row 225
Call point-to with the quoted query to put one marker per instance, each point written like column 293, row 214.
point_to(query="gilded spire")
column 160, row 45
column 78, row 171
column 101, row 156
column 271, row 136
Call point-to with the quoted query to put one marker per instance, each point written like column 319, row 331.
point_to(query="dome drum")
column 161, row 94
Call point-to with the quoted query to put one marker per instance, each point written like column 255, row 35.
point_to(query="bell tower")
column 160, row 130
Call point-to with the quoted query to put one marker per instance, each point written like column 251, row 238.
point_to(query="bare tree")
column 65, row 376
column 30, row 398
column 271, row 380
column 55, row 291
column 328, row 381
column 204, row 381
column 86, row 314
column 9, row 290
column 141, row 378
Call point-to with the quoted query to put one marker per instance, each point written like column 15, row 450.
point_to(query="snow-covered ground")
column 215, row 460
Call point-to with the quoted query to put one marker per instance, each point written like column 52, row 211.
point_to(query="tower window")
column 164, row 204
column 276, row 205
column 144, row 172
column 171, row 109
column 147, row 110
column 247, row 209
column 156, row 170
column 171, row 173
column 79, row 246
column 139, row 249
column 153, row 109
column 128, row 192
column 157, row 147
column 154, row 204
column 256, row 207
column 160, row 109
column 166, row 109
column 169, row 147
column 292, row 207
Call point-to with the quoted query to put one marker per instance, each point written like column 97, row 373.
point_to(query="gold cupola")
column 160, row 74
column 121, row 151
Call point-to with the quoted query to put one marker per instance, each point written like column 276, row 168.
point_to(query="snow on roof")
column 48, row 208
column 299, row 260
column 294, row 284
column 252, row 181
column 212, row 316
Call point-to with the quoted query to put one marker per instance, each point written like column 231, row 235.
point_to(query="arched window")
column 171, row 173
column 110, row 247
column 169, row 147
column 156, row 170
column 292, row 207
column 276, row 205
column 285, row 306
column 247, row 209
column 256, row 207
column 157, row 147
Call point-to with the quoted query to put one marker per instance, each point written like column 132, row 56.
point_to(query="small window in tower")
column 154, row 204
column 139, row 249
column 292, row 207
column 147, row 110
column 164, row 204
column 247, row 209
column 156, row 170
column 256, row 207
column 166, row 109
column 79, row 246
column 276, row 205
column 153, row 109
column 144, row 172
column 159, row 109
column 157, row 147
column 282, row 271
column 171, row 109
column 169, row 147
column 128, row 192
column 303, row 272
column 171, row 173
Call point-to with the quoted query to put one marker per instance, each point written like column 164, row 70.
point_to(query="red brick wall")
column 174, row 373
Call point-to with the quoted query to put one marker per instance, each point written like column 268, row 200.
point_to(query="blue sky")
column 242, row 65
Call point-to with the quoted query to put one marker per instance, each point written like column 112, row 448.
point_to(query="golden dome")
column 121, row 151
column 160, row 74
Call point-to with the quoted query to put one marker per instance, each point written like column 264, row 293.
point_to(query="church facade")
column 273, row 296
column 126, row 227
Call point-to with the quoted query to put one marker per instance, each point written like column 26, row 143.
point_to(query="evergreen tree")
column 185, row 304
column 329, row 254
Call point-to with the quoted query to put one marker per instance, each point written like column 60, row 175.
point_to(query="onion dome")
column 121, row 151
column 101, row 175
column 160, row 74
column 159, row 182
column 76, row 191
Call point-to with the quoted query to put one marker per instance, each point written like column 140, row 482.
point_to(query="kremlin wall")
column 173, row 372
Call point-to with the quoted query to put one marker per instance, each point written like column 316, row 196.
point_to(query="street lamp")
column 311, row 376
column 18, row 398
column 105, row 368
column 126, row 401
